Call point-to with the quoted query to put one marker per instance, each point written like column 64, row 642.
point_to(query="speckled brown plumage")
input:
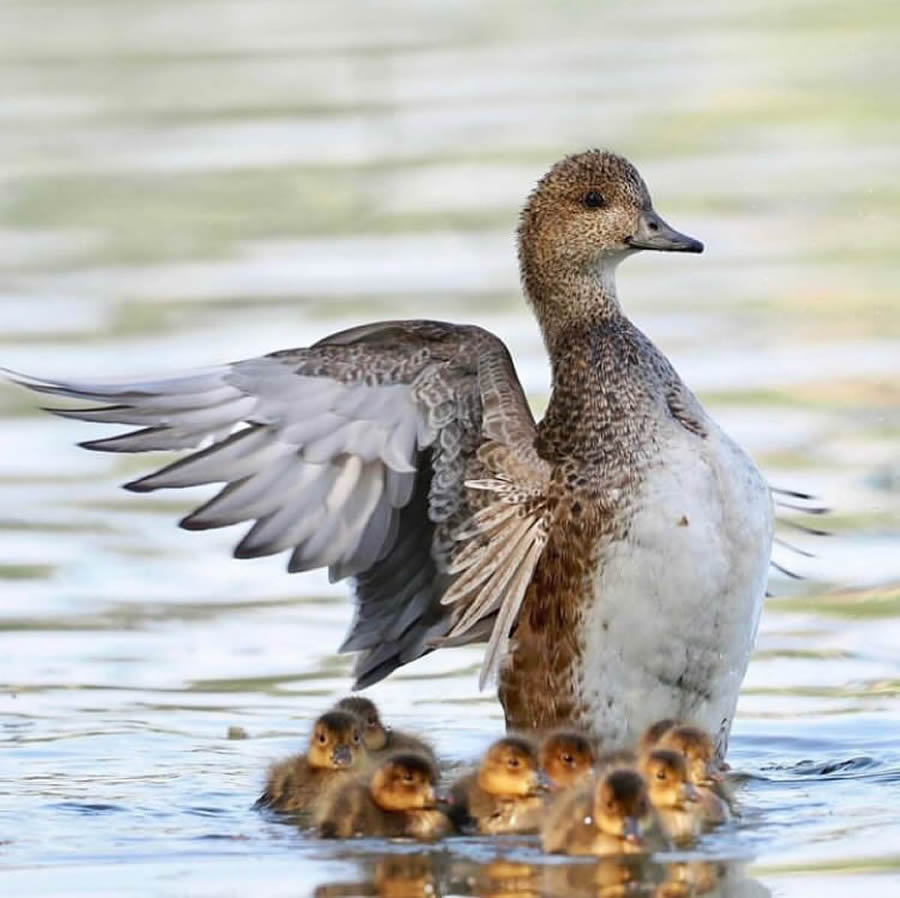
column 403, row 454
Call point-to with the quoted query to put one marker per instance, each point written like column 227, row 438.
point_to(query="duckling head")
column 510, row 768
column 566, row 756
column 651, row 736
column 335, row 742
column 404, row 782
column 374, row 733
column 622, row 805
column 587, row 214
column 667, row 778
column 699, row 753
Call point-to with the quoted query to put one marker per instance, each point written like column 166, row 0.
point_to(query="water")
column 187, row 183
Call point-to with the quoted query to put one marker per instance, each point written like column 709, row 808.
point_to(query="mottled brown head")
column 589, row 212
column 651, row 736
column 374, row 733
column 566, row 756
column 622, row 805
column 404, row 782
column 335, row 742
column 510, row 768
column 699, row 752
column 667, row 778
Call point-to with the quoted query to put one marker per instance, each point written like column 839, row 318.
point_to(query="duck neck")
column 572, row 302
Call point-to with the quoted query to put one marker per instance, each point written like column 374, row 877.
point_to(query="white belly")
column 677, row 601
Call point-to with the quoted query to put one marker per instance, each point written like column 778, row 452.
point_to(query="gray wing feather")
column 354, row 454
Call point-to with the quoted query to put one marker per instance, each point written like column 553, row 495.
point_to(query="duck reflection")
column 433, row 873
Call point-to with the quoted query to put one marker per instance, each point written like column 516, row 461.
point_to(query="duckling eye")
column 512, row 762
column 372, row 721
column 568, row 759
column 407, row 777
column 593, row 199
column 322, row 738
column 660, row 774
column 355, row 738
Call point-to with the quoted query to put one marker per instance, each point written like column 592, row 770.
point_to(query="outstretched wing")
column 398, row 453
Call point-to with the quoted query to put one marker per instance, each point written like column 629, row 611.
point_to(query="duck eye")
column 355, row 738
column 372, row 721
column 660, row 774
column 568, row 759
column 593, row 199
column 512, row 762
column 322, row 738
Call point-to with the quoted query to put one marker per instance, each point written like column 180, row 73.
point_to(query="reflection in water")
column 433, row 873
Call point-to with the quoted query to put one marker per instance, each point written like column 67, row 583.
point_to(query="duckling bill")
column 586, row 550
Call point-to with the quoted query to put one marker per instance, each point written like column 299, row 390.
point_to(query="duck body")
column 657, row 583
column 505, row 793
column 294, row 785
column 397, row 802
column 490, row 814
column 335, row 754
column 613, row 557
column 609, row 814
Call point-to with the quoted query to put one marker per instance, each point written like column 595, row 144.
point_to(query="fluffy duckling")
column 651, row 736
column 675, row 798
column 504, row 795
column 609, row 814
column 335, row 752
column 382, row 741
column 699, row 753
column 566, row 756
column 398, row 800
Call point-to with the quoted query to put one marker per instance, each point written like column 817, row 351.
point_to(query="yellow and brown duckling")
column 397, row 800
column 335, row 752
column 651, row 736
column 607, row 814
column 505, row 793
column 382, row 741
column 703, row 771
column 566, row 756
column 674, row 797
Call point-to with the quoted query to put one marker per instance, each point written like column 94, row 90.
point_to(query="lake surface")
column 188, row 183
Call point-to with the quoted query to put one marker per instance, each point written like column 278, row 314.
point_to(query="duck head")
column 699, row 753
column 587, row 214
column 405, row 782
column 566, row 756
column 374, row 732
column 335, row 742
column 510, row 769
column 667, row 779
column 622, row 806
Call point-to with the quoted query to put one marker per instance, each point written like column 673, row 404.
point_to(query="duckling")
column 335, row 752
column 700, row 756
column 675, row 798
column 566, row 756
column 505, row 794
column 609, row 814
column 382, row 741
column 651, row 736
column 398, row 800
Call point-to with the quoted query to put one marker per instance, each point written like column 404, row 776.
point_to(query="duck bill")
column 341, row 756
column 632, row 830
column 653, row 233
